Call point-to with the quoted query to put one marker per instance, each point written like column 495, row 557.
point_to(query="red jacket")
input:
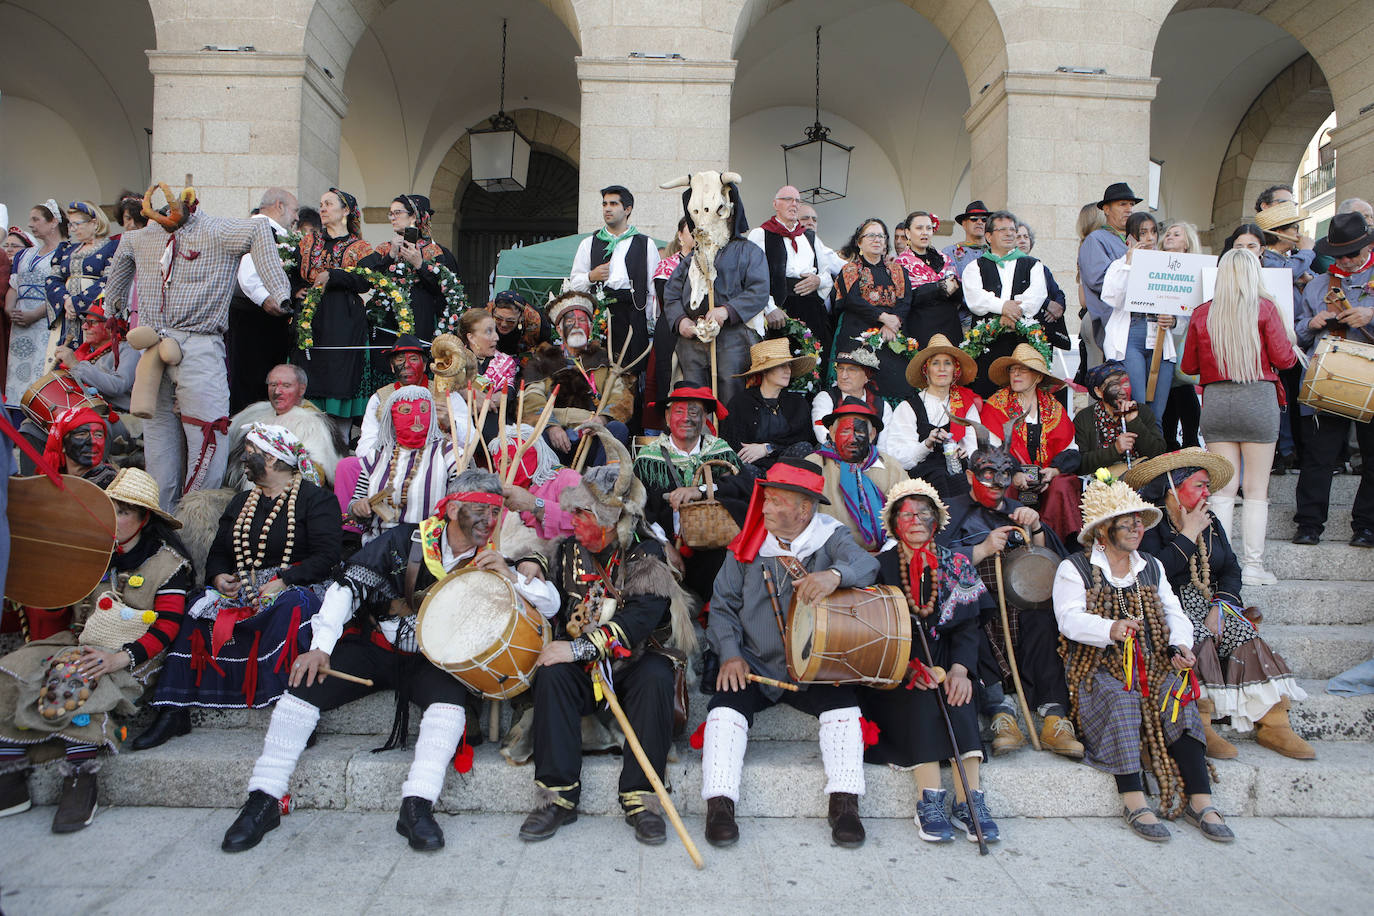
column 1277, row 352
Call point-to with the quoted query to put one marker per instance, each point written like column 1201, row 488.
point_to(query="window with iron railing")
column 1318, row 181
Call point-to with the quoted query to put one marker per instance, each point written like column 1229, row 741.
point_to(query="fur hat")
column 572, row 299
column 610, row 491
column 1108, row 497
column 916, row 486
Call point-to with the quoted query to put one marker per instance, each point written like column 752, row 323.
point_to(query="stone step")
column 1332, row 560
column 1321, row 651
column 1283, row 490
column 1327, row 717
column 1293, row 601
column 1282, row 527
column 781, row 779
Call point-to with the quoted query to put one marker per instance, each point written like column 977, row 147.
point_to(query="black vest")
column 634, row 266
column 1020, row 278
column 775, row 250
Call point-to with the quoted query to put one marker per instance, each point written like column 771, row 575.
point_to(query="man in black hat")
column 974, row 222
column 621, row 259
column 810, row 555
column 1100, row 249
column 1340, row 302
column 409, row 362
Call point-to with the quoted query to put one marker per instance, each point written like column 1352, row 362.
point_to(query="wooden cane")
column 954, row 744
column 584, row 444
column 772, row 682
column 501, row 434
column 1011, row 652
column 1154, row 363
column 507, row 476
column 633, row 741
column 474, row 440
column 711, row 305
column 352, row 678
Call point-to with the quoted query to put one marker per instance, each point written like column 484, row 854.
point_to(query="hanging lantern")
column 818, row 167
column 500, row 153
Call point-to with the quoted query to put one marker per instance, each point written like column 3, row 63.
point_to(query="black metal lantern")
column 500, row 153
column 818, row 167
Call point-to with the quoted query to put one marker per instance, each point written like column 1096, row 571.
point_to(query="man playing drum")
column 617, row 612
column 366, row 628
column 783, row 531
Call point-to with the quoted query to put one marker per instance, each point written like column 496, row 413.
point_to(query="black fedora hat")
column 407, row 343
column 1117, row 191
column 1346, row 235
column 800, row 475
column 975, row 208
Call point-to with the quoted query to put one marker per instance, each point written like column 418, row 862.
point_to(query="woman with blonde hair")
column 1236, row 346
column 80, row 265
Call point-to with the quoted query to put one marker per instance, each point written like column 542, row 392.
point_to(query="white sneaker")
column 1257, row 575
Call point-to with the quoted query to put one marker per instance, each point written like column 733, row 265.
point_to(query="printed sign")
column 1166, row 282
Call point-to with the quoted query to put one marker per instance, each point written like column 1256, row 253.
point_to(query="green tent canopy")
column 536, row 271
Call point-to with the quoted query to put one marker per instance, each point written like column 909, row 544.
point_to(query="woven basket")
column 107, row 628
column 706, row 524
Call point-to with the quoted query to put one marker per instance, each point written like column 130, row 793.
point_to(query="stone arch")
column 1269, row 141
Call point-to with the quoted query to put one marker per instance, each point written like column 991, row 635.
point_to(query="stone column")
column 645, row 122
column 1044, row 144
column 1354, row 146
column 240, row 122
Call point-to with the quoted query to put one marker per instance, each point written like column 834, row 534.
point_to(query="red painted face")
column 986, row 495
column 409, row 368
column 411, row 421
column 853, row 438
column 685, row 419
column 915, row 520
column 589, row 532
column 85, row 445
column 1195, row 489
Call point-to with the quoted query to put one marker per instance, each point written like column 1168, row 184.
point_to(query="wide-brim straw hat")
column 769, row 354
column 916, row 486
column 915, row 376
column 1106, row 500
column 1023, row 355
column 1219, row 469
column 136, row 487
column 1281, row 214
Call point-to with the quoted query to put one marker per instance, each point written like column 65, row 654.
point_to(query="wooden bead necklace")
column 245, row 556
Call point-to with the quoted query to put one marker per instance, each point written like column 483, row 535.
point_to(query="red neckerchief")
column 921, row 560
column 775, row 226
column 85, row 354
column 1345, row 275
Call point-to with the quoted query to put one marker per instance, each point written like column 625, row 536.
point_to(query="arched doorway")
column 488, row 222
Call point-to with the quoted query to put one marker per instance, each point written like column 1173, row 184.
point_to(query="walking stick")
column 711, row 304
column 1154, row 364
column 613, row 372
column 633, row 741
column 949, row 730
column 1011, row 651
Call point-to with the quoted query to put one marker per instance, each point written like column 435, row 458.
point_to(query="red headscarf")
column 68, row 420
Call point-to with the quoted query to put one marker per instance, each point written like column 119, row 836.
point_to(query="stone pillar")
column 645, row 122
column 1044, row 144
column 1354, row 146
column 241, row 122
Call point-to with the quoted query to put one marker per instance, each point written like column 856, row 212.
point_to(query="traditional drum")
column 853, row 636
column 475, row 626
column 55, row 392
column 1340, row 379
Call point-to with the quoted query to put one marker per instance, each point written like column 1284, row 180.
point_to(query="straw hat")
column 136, row 487
column 916, row 486
column 968, row 369
column 1219, row 470
column 1281, row 214
column 769, row 354
column 1108, row 497
column 1023, row 355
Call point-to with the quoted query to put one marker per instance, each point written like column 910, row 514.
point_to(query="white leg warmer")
column 842, row 751
column 293, row 720
column 1223, row 507
column 722, row 753
column 441, row 730
column 1254, row 522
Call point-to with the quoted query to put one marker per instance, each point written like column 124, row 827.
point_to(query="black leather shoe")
column 171, row 722
column 1363, row 538
column 545, row 820
column 258, row 815
column 1307, row 537
column 721, row 829
column 649, row 827
column 845, row 827
column 417, row 824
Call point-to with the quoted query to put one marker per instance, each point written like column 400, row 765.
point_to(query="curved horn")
column 610, row 443
column 730, row 178
column 684, row 181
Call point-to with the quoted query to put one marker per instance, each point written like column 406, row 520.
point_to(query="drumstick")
column 771, row 682
column 326, row 670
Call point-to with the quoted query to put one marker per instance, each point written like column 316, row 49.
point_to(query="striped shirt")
column 427, row 487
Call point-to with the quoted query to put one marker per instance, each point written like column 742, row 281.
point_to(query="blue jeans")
column 1138, row 368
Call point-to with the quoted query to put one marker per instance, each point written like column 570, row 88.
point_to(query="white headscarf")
column 282, row 444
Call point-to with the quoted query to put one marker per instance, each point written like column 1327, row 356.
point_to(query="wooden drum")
column 1340, row 379
column 55, row 392
column 476, row 627
column 853, row 636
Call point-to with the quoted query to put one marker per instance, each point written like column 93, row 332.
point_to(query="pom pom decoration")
column 462, row 758
column 105, row 603
column 698, row 739
column 870, row 731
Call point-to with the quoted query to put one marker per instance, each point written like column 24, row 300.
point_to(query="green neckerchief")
column 1004, row 258
column 614, row 240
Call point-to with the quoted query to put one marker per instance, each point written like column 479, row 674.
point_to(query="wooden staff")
column 501, row 459
column 633, row 741
column 584, row 444
column 453, row 427
column 949, row 724
column 509, row 473
column 352, row 678
column 475, row 438
column 1011, row 651
column 772, row 682
column 1154, row 362
column 710, row 307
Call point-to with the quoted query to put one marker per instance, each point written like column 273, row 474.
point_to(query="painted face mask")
column 589, row 532
column 685, row 420
column 991, row 469
column 853, row 439
column 85, row 445
column 410, row 419
column 477, row 522
column 1194, row 489
column 577, row 329
column 1116, row 392
column 255, row 466
column 409, row 368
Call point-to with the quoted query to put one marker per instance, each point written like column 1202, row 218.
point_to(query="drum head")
column 464, row 615
column 801, row 630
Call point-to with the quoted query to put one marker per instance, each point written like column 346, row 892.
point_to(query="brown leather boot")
column 1274, row 732
column 1218, row 748
column 1006, row 734
column 845, row 827
column 1057, row 735
column 721, row 829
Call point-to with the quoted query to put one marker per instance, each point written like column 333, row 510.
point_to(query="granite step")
column 1282, row 527
column 1329, row 561
column 781, row 779
column 1294, row 601
column 1321, row 651
column 1283, row 490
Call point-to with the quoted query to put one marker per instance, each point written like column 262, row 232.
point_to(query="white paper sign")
column 1278, row 281
column 1166, row 282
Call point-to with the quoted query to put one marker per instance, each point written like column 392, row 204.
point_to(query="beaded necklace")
column 405, row 484
column 245, row 556
column 913, row 596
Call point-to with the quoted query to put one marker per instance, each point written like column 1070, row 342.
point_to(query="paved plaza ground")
column 163, row 860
